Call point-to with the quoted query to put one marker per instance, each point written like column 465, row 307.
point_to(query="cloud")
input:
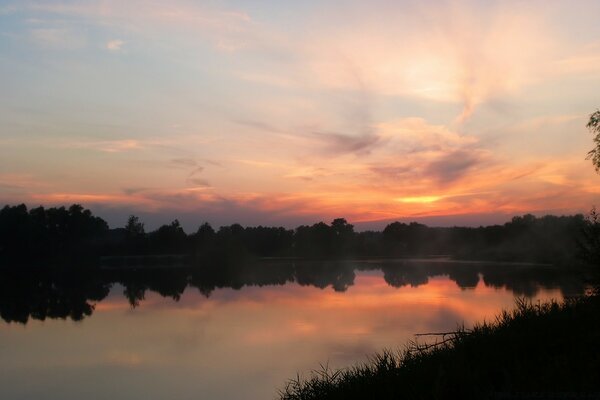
column 192, row 166
column 20, row 185
column 259, row 125
column 115, row 45
column 418, row 135
column 455, row 165
column 199, row 182
column 417, row 154
column 339, row 143
column 184, row 162
column 307, row 173
column 195, row 171
column 542, row 123
column 456, row 53
column 228, row 30
column 107, row 146
column 514, row 189
column 392, row 172
column 134, row 190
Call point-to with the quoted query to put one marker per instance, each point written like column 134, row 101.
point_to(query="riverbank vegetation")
column 534, row 351
column 62, row 235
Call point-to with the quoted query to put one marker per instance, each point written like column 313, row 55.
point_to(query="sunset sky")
column 282, row 113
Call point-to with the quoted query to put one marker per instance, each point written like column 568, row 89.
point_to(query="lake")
column 236, row 331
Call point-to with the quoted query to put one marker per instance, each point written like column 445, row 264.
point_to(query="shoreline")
column 542, row 349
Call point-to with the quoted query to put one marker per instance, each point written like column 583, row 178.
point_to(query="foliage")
column 62, row 234
column 594, row 126
column 42, row 233
column 590, row 239
column 134, row 227
column 536, row 348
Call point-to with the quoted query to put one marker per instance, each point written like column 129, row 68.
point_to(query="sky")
column 288, row 113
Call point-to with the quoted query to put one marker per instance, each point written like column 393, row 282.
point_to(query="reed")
column 536, row 349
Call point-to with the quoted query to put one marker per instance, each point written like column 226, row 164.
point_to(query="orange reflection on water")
column 257, row 337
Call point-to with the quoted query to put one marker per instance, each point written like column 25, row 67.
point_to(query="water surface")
column 236, row 332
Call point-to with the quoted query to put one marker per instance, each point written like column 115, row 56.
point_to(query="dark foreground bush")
column 536, row 350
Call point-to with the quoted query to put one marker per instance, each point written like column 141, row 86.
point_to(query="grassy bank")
column 534, row 349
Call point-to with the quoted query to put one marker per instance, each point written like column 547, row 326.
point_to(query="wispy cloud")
column 199, row 182
column 18, row 186
column 108, row 146
column 193, row 169
column 339, row 143
column 183, row 162
column 455, row 165
column 418, row 154
column 228, row 29
column 465, row 56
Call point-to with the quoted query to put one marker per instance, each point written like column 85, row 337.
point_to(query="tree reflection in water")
column 72, row 293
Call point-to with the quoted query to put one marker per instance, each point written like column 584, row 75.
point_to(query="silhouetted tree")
column 54, row 233
column 590, row 242
column 313, row 241
column 135, row 237
column 594, row 126
column 134, row 227
column 203, row 239
column 205, row 232
column 342, row 238
column 169, row 238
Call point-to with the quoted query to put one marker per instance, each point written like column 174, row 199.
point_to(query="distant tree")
column 205, row 232
column 49, row 233
column 134, row 227
column 343, row 237
column 135, row 236
column 594, row 126
column 203, row 239
column 341, row 227
column 169, row 238
column 313, row 241
column 590, row 245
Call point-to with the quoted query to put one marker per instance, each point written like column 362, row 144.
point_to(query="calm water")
column 235, row 333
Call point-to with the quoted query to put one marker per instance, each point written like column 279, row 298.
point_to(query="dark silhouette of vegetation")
column 535, row 351
column 61, row 235
column 594, row 126
column 589, row 243
column 42, row 293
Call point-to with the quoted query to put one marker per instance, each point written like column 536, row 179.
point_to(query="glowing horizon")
column 279, row 113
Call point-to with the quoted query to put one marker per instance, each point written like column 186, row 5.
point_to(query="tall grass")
column 534, row 349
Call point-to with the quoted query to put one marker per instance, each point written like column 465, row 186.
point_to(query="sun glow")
column 420, row 199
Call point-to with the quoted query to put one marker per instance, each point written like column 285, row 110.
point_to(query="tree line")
column 75, row 235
